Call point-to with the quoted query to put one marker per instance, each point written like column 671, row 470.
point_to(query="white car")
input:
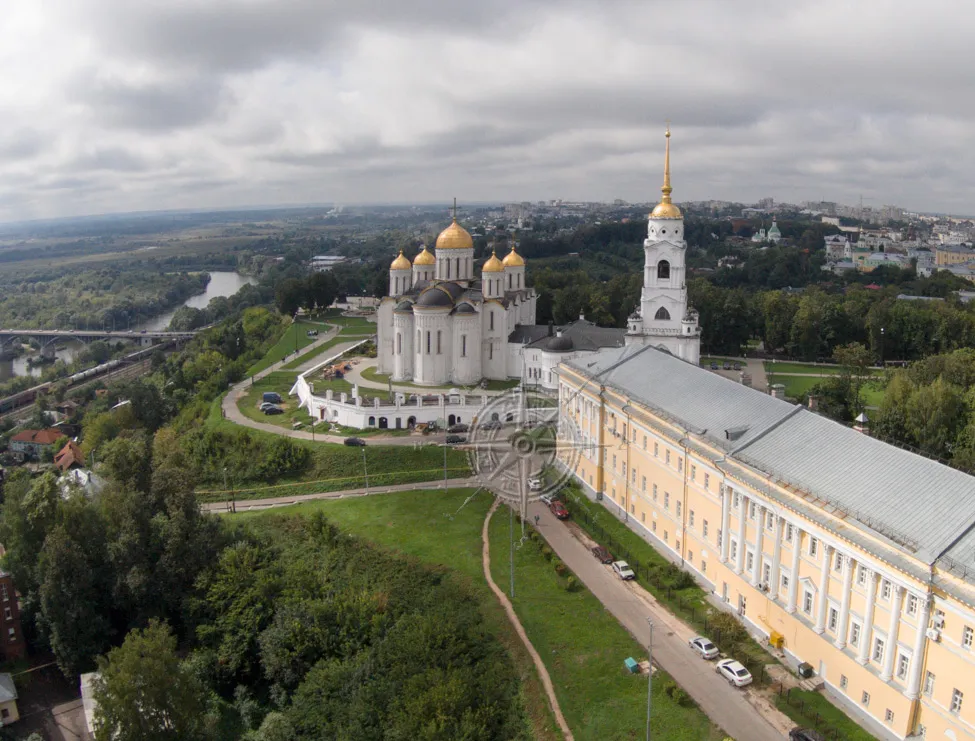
column 734, row 672
column 704, row 647
column 535, row 484
column 623, row 570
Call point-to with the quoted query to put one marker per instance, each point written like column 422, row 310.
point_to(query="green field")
column 281, row 383
column 796, row 387
column 582, row 645
column 320, row 350
column 294, row 338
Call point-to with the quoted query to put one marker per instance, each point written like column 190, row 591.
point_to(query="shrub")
column 676, row 578
column 571, row 584
column 560, row 568
column 732, row 632
column 547, row 552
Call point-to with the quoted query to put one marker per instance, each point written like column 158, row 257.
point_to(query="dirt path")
column 513, row 617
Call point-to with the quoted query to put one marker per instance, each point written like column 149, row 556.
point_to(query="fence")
column 819, row 723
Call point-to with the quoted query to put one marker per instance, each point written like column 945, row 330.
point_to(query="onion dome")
column 493, row 264
column 401, row 263
column 455, row 237
column 425, row 257
column 513, row 259
column 665, row 209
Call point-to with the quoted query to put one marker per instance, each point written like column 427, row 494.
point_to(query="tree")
column 854, row 360
column 321, row 290
column 935, row 416
column 289, row 296
column 144, row 692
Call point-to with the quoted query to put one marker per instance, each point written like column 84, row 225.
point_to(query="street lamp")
column 882, row 332
column 649, row 674
column 365, row 471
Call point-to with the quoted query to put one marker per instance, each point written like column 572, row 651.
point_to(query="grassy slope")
column 294, row 338
column 582, row 645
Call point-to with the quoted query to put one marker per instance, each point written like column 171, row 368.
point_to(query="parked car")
column 265, row 405
column 535, row 483
column 271, row 396
column 558, row 509
column 355, row 442
column 737, row 366
column 727, row 365
column 458, row 428
column 455, row 439
column 602, row 555
column 491, row 424
column 734, row 672
column 704, row 647
column 273, row 410
column 805, row 734
column 714, row 366
column 623, row 570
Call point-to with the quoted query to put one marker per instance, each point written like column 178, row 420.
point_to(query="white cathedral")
column 440, row 325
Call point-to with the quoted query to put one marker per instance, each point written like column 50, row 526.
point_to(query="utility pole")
column 649, row 674
column 365, row 471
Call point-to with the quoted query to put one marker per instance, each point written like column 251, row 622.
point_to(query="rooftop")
column 881, row 488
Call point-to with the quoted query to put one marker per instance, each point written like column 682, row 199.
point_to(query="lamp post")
column 882, row 333
column 649, row 674
column 365, row 470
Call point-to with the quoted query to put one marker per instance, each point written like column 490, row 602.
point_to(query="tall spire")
column 666, row 189
column 455, row 208
column 666, row 209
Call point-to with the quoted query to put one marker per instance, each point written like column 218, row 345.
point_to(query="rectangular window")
column 12, row 634
column 667, row 457
column 966, row 637
column 666, row 500
column 838, row 562
column 643, row 517
column 655, row 492
column 4, row 593
column 861, row 576
column 623, row 464
column 8, row 613
column 490, row 351
column 428, row 343
column 788, row 533
column 813, row 547
column 690, row 556
column 633, row 476
column 911, row 604
column 632, row 509
column 704, row 528
column 734, row 500
column 807, row 602
column 678, row 508
column 767, row 574
column 843, row 681
column 885, row 589
column 665, row 536
column 439, row 333
column 902, row 665
column 865, row 698
column 654, row 526
column 491, row 314
column 614, row 462
column 854, row 634
column 704, row 566
column 878, row 650
column 693, row 472
column 734, row 550
column 643, row 483
column 707, row 481
column 752, row 509
column 889, row 715
column 680, row 465
column 718, row 538
column 644, row 442
column 463, row 354
column 656, row 450
column 834, row 618
column 690, row 518
column 957, row 697
column 749, row 561
column 929, row 684
column 769, row 521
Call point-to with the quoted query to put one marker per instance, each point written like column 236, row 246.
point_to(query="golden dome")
column 455, row 237
column 665, row 209
column 401, row 263
column 425, row 257
column 513, row 259
column 493, row 264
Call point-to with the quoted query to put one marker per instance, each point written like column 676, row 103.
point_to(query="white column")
column 866, row 635
column 742, row 518
column 776, row 559
column 917, row 660
column 725, row 522
column 895, row 622
column 823, row 590
column 759, row 534
column 843, row 627
column 794, row 579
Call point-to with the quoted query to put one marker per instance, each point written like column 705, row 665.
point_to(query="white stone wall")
column 466, row 355
column 384, row 335
column 404, row 335
column 431, row 362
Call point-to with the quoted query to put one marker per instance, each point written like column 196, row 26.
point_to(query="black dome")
column 452, row 288
column 434, row 297
column 404, row 306
column 559, row 344
column 465, row 309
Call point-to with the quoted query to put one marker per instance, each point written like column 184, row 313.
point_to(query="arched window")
column 399, row 343
column 372, row 421
column 662, row 314
column 663, row 270
column 509, row 280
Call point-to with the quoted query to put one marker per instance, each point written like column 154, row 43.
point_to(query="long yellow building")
column 860, row 554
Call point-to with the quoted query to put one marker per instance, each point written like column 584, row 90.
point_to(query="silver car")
column 734, row 672
column 704, row 647
column 623, row 570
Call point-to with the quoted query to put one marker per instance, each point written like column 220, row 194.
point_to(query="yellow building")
column 860, row 554
column 953, row 254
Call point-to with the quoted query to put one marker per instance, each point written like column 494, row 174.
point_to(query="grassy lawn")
column 294, row 338
column 808, row 368
column 720, row 360
column 804, row 707
column 320, row 350
column 796, row 387
column 582, row 645
column 354, row 432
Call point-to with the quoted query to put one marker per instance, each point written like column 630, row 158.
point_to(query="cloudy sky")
column 120, row 105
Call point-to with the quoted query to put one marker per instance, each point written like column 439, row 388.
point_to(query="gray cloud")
column 115, row 105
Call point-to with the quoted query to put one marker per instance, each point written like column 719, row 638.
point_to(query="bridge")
column 48, row 337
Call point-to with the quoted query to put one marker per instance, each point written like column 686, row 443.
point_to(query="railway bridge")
column 49, row 337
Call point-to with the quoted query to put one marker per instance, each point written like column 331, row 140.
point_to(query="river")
column 222, row 283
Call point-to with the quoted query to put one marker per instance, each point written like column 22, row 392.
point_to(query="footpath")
column 743, row 714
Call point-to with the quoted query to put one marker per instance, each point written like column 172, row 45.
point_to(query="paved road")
column 631, row 605
column 244, row 505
